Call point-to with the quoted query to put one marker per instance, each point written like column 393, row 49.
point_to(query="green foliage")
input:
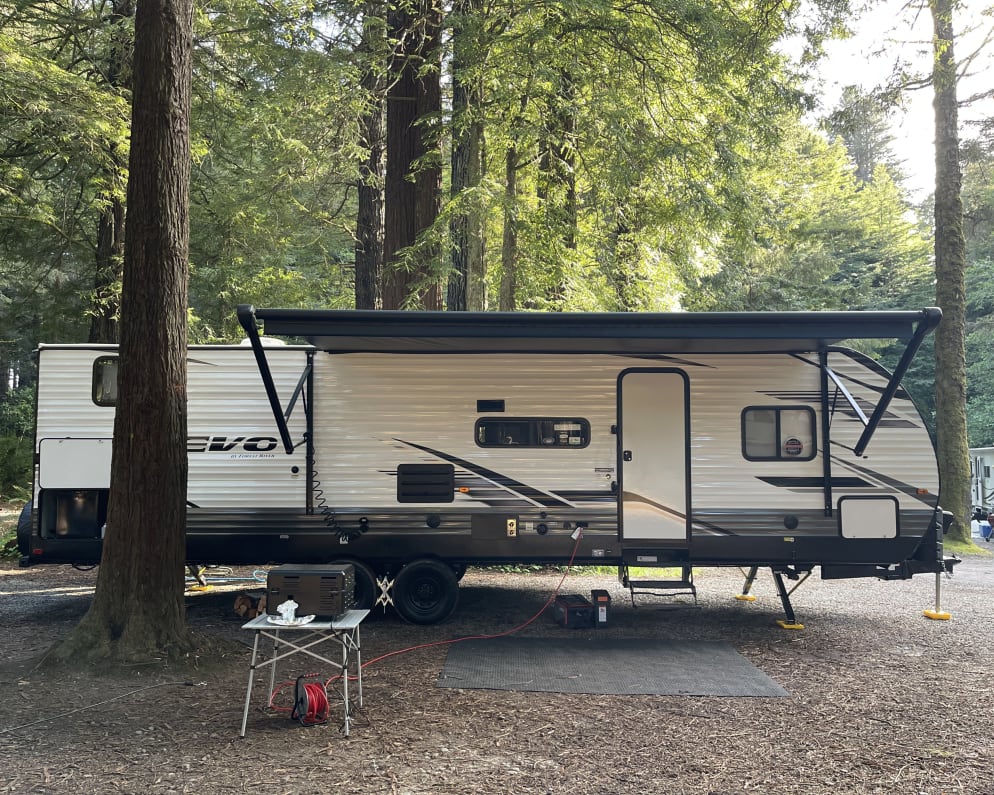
column 820, row 239
column 274, row 140
column 9, row 514
column 276, row 105
column 635, row 128
column 65, row 134
column 16, row 443
column 863, row 123
column 662, row 164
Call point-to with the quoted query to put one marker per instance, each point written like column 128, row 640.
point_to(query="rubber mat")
column 605, row 666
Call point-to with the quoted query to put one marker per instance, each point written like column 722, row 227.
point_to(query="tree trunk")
column 110, row 226
column 413, row 174
column 369, row 217
column 467, row 284
column 509, row 241
column 557, row 184
column 950, row 282
column 109, row 260
column 138, row 609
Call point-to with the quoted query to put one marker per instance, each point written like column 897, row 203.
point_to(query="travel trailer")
column 981, row 481
column 414, row 444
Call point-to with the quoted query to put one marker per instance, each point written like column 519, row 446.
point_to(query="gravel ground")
column 881, row 700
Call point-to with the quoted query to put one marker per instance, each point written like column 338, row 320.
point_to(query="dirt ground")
column 881, row 700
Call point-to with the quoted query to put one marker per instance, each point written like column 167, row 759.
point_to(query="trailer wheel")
column 366, row 589
column 24, row 530
column 426, row 591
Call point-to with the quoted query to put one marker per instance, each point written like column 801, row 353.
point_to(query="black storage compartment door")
column 426, row 482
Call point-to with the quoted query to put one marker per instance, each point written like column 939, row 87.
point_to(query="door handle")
column 626, row 455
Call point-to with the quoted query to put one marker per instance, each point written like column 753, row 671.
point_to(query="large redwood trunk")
column 369, row 217
column 413, row 173
column 950, row 282
column 138, row 609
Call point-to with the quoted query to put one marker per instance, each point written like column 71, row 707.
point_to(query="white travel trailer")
column 413, row 444
column 981, row 480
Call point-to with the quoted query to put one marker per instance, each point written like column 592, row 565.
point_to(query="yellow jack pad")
column 745, row 597
column 788, row 625
column 937, row 615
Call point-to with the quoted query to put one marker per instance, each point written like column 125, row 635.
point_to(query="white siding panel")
column 374, row 411
column 243, row 463
column 228, row 416
column 371, row 409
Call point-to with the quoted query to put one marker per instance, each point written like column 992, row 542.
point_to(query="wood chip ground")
column 882, row 700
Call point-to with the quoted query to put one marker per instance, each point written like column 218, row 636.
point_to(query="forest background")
column 597, row 155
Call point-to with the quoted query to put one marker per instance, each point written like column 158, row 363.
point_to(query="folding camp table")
column 309, row 639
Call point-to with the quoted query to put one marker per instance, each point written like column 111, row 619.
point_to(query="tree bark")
column 428, row 173
column 509, row 240
column 369, row 217
column 109, row 261
column 950, row 281
column 110, row 225
column 467, row 283
column 557, row 183
column 413, row 172
column 137, row 611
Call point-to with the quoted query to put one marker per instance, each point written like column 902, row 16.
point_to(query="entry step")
column 659, row 587
column 675, row 584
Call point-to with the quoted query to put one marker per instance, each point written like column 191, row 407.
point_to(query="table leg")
column 345, row 678
column 248, row 691
column 272, row 667
column 358, row 667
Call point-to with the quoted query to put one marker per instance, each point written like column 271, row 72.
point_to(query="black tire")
column 460, row 570
column 366, row 589
column 426, row 591
column 24, row 530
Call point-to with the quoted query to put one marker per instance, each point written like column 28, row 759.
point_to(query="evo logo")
column 227, row 444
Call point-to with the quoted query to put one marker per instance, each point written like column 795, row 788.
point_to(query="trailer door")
column 654, row 452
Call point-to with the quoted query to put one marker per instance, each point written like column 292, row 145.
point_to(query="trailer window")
column 532, row 432
column 105, row 381
column 778, row 434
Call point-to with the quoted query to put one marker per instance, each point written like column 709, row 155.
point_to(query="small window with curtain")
column 774, row 433
column 105, row 381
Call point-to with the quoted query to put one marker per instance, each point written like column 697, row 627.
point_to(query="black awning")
column 588, row 332
column 354, row 331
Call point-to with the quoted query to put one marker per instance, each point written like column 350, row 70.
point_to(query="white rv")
column 981, row 480
column 413, row 444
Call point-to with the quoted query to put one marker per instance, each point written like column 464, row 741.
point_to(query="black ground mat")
column 605, row 666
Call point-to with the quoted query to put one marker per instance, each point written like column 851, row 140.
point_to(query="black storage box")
column 573, row 611
column 602, row 601
column 326, row 592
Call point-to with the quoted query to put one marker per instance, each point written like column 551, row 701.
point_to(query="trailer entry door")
column 654, row 435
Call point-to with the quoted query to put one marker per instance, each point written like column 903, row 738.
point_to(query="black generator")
column 573, row 611
column 326, row 592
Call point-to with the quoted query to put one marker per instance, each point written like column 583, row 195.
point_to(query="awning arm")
column 930, row 319
column 846, row 394
column 246, row 317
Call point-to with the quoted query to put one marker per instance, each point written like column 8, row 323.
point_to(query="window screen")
column 105, row 381
column 778, row 434
column 532, row 432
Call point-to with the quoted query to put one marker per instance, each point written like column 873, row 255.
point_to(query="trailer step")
column 669, row 587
